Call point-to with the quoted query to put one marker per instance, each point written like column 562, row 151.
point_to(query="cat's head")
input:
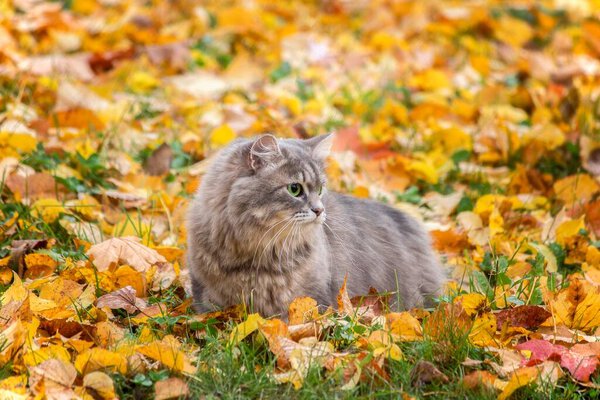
column 282, row 181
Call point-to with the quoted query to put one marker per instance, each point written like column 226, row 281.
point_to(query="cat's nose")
column 317, row 210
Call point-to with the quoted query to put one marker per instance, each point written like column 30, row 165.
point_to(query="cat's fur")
column 243, row 246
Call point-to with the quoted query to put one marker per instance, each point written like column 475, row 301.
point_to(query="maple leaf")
column 127, row 250
column 580, row 366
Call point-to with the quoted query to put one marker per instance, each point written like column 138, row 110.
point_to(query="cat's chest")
column 268, row 293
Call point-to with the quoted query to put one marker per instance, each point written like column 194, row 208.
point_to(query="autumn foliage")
column 480, row 117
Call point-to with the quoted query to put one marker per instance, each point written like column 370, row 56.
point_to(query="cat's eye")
column 295, row 189
column 321, row 190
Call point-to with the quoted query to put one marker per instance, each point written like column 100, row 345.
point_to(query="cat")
column 263, row 229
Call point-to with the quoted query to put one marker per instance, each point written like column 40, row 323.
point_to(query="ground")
column 479, row 118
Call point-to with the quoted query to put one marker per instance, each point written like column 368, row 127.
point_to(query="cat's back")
column 381, row 247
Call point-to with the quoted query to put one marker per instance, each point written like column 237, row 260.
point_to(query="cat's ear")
column 321, row 146
column 264, row 151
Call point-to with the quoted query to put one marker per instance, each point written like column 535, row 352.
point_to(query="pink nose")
column 317, row 210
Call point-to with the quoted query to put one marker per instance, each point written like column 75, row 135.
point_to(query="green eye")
column 295, row 189
column 321, row 190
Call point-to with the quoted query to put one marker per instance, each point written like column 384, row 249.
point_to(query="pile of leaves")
column 480, row 118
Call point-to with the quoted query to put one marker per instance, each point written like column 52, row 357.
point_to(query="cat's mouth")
column 305, row 217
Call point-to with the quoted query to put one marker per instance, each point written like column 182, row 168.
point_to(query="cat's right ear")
column 264, row 151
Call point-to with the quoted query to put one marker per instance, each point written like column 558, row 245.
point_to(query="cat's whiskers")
column 264, row 235
column 283, row 247
column 295, row 234
column 274, row 239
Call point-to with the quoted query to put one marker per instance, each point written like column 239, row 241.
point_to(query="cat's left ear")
column 321, row 145
column 264, row 151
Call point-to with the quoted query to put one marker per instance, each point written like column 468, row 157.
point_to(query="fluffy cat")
column 264, row 230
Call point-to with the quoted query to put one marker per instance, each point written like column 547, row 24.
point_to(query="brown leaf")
column 53, row 378
column 301, row 331
column 375, row 303
column 425, row 372
column 176, row 54
column 592, row 211
column 20, row 248
column 124, row 298
column 479, row 379
column 103, row 62
column 522, row 316
column 159, row 161
column 34, row 187
column 171, row 388
column 74, row 66
column 126, row 250
column 343, row 300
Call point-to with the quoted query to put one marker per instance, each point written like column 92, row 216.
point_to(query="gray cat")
column 264, row 230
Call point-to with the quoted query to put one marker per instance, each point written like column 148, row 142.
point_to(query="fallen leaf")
column 528, row 317
column 159, row 162
column 301, row 310
column 124, row 298
column 168, row 352
column 171, row 388
column 580, row 366
column 126, row 250
column 97, row 358
column 520, row 378
column 244, row 329
column 53, row 378
column 100, row 384
column 424, row 373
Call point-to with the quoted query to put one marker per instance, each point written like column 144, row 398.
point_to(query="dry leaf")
column 124, row 298
column 424, row 373
column 126, row 250
column 171, row 388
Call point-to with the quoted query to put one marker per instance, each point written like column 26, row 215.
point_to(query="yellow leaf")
column 301, row 310
column 551, row 263
column 431, row 79
column 520, row 378
column 101, row 384
column 142, row 82
column 35, row 357
column 172, row 254
column 48, row 209
column 513, row 31
column 423, row 169
column 16, row 292
column 471, row 303
column 127, row 276
column 483, row 330
column 12, row 338
column 496, row 223
column 576, row 188
column 577, row 306
column 250, row 325
column 167, row 352
column 222, row 135
column 406, row 327
column 12, row 143
column 548, row 135
column 569, row 229
column 97, row 358
column 452, row 140
column 16, row 384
